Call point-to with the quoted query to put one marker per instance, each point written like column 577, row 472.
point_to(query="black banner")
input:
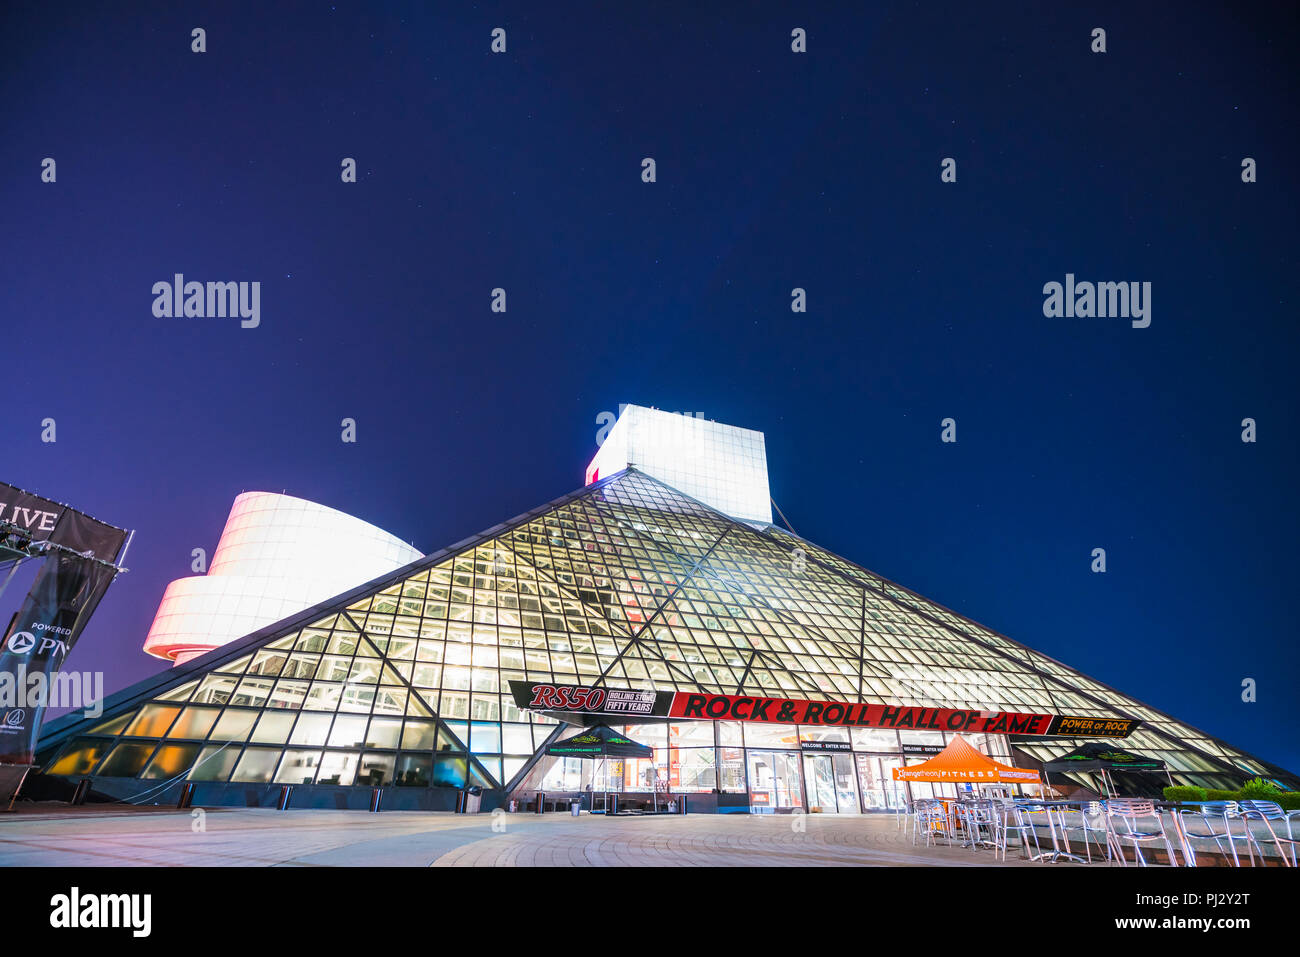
column 66, row 591
column 45, row 520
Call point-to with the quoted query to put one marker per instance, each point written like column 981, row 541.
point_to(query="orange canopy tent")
column 961, row 762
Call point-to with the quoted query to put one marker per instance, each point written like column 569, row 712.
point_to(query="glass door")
column 830, row 783
column 774, row 781
column 821, row 782
column 880, row 792
column 846, row 788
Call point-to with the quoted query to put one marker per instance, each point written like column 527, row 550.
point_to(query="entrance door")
column 774, row 781
column 879, row 790
column 830, row 783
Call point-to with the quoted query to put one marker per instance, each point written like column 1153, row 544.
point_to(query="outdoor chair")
column 932, row 817
column 1016, row 819
column 903, row 817
column 977, row 818
column 1091, row 821
column 1212, row 821
column 1137, row 821
column 1270, row 812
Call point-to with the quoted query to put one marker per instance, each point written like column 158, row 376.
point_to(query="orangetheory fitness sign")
column 576, row 699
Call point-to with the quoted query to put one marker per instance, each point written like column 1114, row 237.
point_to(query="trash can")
column 575, row 807
column 473, row 799
column 681, row 804
column 541, row 802
column 514, row 806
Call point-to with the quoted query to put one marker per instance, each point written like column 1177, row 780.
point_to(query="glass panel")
column 419, row 736
column 449, row 772
column 153, row 720
column 691, row 769
column 298, row 767
column 384, row 733
column 81, row 755
column 875, row 739
column 808, row 732
column 234, row 725
column 113, row 726
column 731, row 770
column 214, row 763
column 729, row 732
column 273, row 728
column 126, row 760
column 821, row 783
column 216, row 689
column 688, row 734
column 762, row 735
column 257, row 765
column 414, row 770
column 349, row 731
column 484, row 738
column 376, row 769
column 171, row 760
column 338, row 767
column 774, row 780
column 195, row 722
column 311, row 729
column 516, row 739
column 846, row 789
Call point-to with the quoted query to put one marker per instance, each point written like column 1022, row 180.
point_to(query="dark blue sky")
column 775, row 170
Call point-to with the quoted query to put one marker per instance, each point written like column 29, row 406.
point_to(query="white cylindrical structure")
column 277, row 555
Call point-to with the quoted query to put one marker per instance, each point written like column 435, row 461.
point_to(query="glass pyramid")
column 626, row 583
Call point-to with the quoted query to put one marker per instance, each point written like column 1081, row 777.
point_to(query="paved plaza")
column 54, row 835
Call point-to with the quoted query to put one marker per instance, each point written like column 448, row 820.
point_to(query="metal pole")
column 121, row 558
column 13, row 570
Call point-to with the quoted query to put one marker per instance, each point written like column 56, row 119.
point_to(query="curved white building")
column 277, row 555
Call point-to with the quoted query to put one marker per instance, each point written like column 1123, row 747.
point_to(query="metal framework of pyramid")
column 625, row 583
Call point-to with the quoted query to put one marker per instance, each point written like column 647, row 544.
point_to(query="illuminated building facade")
column 633, row 592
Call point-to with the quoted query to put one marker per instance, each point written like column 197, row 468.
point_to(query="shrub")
column 1290, row 800
column 1218, row 794
column 1185, row 794
column 1257, row 789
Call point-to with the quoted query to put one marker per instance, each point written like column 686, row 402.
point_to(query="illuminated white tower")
column 723, row 466
column 277, row 555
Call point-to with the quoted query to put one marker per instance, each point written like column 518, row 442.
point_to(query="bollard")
column 187, row 796
column 285, row 791
column 376, row 795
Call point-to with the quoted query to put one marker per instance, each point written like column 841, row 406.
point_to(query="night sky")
column 775, row 170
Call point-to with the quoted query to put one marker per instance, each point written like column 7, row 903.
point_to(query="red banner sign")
column 721, row 707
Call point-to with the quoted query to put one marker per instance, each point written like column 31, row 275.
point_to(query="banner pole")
column 13, row 570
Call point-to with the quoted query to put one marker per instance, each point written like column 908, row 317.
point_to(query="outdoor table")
column 1050, row 809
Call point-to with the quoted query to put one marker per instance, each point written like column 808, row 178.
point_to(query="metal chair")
column 903, row 817
column 1091, row 821
column 1211, row 821
column 932, row 817
column 978, row 817
column 1016, row 819
column 1125, row 819
column 1268, row 812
